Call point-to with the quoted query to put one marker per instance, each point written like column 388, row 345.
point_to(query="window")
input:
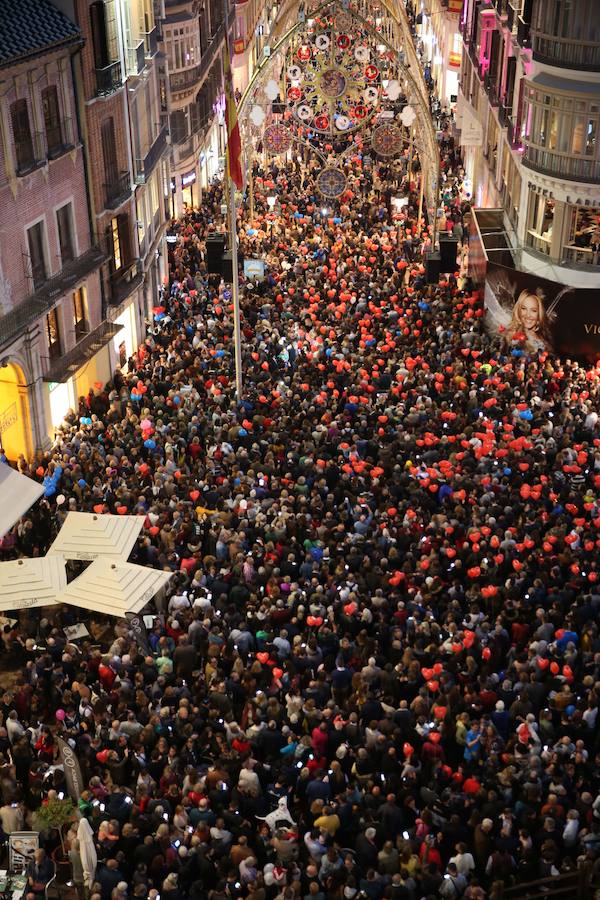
column 79, row 314
column 120, row 242
column 64, row 221
column 37, row 256
column 52, row 123
column 99, row 35
column 116, row 243
column 109, row 151
column 22, row 134
column 53, row 334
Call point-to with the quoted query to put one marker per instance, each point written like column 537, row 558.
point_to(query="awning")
column 114, row 588
column 25, row 583
column 17, row 493
column 91, row 536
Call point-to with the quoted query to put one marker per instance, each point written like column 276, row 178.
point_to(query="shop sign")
column 8, row 418
column 188, row 179
column 238, row 45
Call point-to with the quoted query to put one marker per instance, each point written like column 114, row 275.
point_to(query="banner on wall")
column 541, row 314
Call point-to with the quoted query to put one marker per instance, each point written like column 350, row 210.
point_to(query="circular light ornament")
column 371, row 72
column 344, row 41
column 277, row 138
column 342, row 123
column 294, row 73
column 322, row 42
column 370, row 94
column 304, row 112
column 386, row 140
column 362, row 54
column 331, row 183
column 332, row 83
column 304, row 52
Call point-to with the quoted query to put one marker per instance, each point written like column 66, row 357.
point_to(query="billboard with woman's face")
column 538, row 314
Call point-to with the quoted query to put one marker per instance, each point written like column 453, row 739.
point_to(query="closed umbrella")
column 26, row 583
column 87, row 851
column 96, row 536
column 114, row 587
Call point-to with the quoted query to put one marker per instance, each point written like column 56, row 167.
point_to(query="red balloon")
column 486, row 653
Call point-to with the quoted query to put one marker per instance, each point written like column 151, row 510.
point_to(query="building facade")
column 437, row 25
column 84, row 188
column 193, row 43
column 254, row 23
column 124, row 114
column 530, row 86
column 51, row 312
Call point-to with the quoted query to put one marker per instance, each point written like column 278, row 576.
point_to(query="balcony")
column 523, row 29
column 187, row 79
column 579, row 257
column 108, row 79
column 562, row 165
column 124, row 282
column 117, row 190
column 65, row 366
column 510, row 17
column 30, row 153
column 60, row 138
column 565, row 52
column 504, row 114
column 43, row 298
column 151, row 42
column 491, row 89
column 514, row 134
column 144, row 167
column 136, row 59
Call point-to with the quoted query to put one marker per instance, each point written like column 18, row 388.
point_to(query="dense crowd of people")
column 376, row 671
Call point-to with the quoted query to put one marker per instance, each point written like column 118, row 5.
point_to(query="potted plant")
column 54, row 815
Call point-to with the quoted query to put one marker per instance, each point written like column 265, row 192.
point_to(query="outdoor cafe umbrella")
column 96, row 536
column 26, row 583
column 114, row 587
column 18, row 493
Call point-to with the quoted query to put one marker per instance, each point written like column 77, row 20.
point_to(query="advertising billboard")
column 540, row 314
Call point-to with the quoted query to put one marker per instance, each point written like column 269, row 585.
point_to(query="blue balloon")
column 219, row 353
column 135, row 397
column 516, row 353
column 526, row 414
column 337, row 220
column 82, row 483
column 176, row 400
column 570, row 710
column 251, row 231
column 150, row 444
column 242, row 432
column 508, row 471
